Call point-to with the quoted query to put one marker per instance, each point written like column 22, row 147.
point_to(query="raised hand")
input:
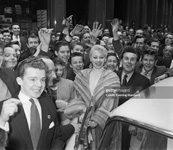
column 45, row 37
column 77, row 30
column 115, row 25
column 9, row 108
column 97, row 30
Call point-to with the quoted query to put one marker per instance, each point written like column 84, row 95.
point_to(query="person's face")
column 51, row 74
column 148, row 62
column 53, row 38
column 86, row 29
column 86, row 38
column 98, row 59
column 105, row 39
column 75, row 39
column 59, row 70
column 106, row 32
column 33, row 42
column 1, row 56
column 129, row 62
column 112, row 63
column 124, row 34
column 139, row 33
column 131, row 31
column 33, row 82
column 9, row 58
column 79, row 49
column 64, row 53
column 155, row 46
column 1, row 38
column 17, row 49
column 110, row 44
column 139, row 43
column 16, row 30
column 7, row 37
column 167, row 51
column 77, row 63
column 169, row 39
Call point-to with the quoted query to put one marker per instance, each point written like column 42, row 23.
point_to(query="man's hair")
column 149, row 51
column 58, row 61
column 31, row 62
column 15, row 23
column 154, row 40
column 59, row 44
column 141, row 37
column 78, row 43
column 12, row 43
column 33, row 37
column 76, row 54
column 6, row 31
column 129, row 49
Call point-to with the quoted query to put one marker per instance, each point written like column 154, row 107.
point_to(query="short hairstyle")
column 6, row 31
column 33, row 37
column 59, row 44
column 76, row 54
column 12, row 43
column 15, row 23
column 154, row 40
column 149, row 51
column 141, row 37
column 130, row 49
column 98, row 48
column 78, row 43
column 31, row 62
column 58, row 61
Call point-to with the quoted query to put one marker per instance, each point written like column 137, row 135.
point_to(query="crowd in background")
column 83, row 61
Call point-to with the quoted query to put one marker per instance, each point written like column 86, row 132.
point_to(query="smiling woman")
column 90, row 85
column 9, row 58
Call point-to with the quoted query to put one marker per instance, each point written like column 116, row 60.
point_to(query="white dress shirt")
column 25, row 100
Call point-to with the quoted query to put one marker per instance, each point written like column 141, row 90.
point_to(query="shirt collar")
column 129, row 75
column 24, row 98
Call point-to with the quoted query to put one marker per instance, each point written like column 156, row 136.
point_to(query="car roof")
column 153, row 106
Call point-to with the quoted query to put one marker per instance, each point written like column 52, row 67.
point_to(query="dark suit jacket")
column 136, row 82
column 23, row 43
column 158, row 71
column 164, row 62
column 50, row 138
column 8, row 76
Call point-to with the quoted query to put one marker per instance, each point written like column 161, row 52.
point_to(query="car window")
column 121, row 136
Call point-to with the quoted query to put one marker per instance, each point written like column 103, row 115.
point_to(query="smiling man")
column 35, row 125
column 148, row 66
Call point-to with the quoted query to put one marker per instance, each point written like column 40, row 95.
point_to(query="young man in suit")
column 48, row 134
column 148, row 67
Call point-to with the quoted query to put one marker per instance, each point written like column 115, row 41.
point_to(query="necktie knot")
column 31, row 100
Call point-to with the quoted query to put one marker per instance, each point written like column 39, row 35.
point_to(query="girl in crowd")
column 90, row 86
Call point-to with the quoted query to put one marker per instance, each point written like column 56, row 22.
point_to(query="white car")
column 142, row 123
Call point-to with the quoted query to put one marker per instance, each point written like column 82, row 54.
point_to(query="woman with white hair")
column 91, row 86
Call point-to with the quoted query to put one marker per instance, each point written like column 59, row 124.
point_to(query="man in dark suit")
column 132, row 82
column 148, row 67
column 15, row 28
column 49, row 135
column 135, row 81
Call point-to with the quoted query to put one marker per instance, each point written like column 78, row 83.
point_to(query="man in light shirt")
column 31, row 78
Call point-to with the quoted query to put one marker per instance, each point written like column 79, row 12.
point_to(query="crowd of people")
column 54, row 77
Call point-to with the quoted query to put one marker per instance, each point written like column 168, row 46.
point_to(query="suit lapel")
column 46, row 119
column 22, row 125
